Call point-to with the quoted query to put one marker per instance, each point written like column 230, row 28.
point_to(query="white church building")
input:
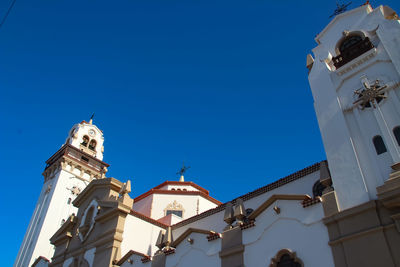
column 344, row 211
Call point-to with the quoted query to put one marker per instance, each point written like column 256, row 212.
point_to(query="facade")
column 341, row 212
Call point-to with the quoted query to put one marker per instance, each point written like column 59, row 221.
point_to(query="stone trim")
column 64, row 149
column 232, row 248
column 274, row 198
column 38, row 260
column 231, row 251
column 187, row 233
column 281, row 182
column 365, row 233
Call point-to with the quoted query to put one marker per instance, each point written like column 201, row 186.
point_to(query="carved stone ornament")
column 174, row 206
column 370, row 95
column 75, row 190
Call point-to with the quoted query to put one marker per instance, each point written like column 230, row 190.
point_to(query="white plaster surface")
column 200, row 253
column 139, row 236
column 298, row 229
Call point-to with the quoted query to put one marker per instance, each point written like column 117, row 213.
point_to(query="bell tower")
column 355, row 78
column 66, row 174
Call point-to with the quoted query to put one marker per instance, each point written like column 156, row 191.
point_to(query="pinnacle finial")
column 91, row 119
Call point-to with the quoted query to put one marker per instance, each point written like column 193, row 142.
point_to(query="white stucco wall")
column 139, row 236
column 161, row 201
column 200, row 253
column 296, row 228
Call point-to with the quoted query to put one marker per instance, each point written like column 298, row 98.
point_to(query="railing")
column 352, row 52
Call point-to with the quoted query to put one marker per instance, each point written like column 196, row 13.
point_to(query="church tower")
column 355, row 79
column 66, row 174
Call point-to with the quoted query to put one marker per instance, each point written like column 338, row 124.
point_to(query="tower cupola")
column 88, row 138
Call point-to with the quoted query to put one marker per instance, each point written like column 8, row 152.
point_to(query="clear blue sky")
column 221, row 85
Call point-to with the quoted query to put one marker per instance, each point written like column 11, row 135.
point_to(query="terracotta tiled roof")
column 176, row 192
column 182, row 183
column 283, row 181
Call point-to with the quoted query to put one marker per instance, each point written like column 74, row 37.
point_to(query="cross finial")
column 182, row 171
column 340, row 8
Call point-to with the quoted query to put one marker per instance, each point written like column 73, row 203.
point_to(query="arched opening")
column 318, row 188
column 69, row 201
column 286, row 258
column 92, row 144
column 396, row 132
column 379, row 144
column 85, row 140
column 287, row 261
column 351, row 46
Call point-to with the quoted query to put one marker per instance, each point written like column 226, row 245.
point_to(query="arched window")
column 379, row 144
column 69, row 200
column 396, row 132
column 85, row 140
column 286, row 258
column 92, row 144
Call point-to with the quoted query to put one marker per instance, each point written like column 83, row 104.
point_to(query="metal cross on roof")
column 340, row 8
column 184, row 168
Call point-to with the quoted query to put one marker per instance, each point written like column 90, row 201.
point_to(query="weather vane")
column 182, row 171
column 340, row 8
